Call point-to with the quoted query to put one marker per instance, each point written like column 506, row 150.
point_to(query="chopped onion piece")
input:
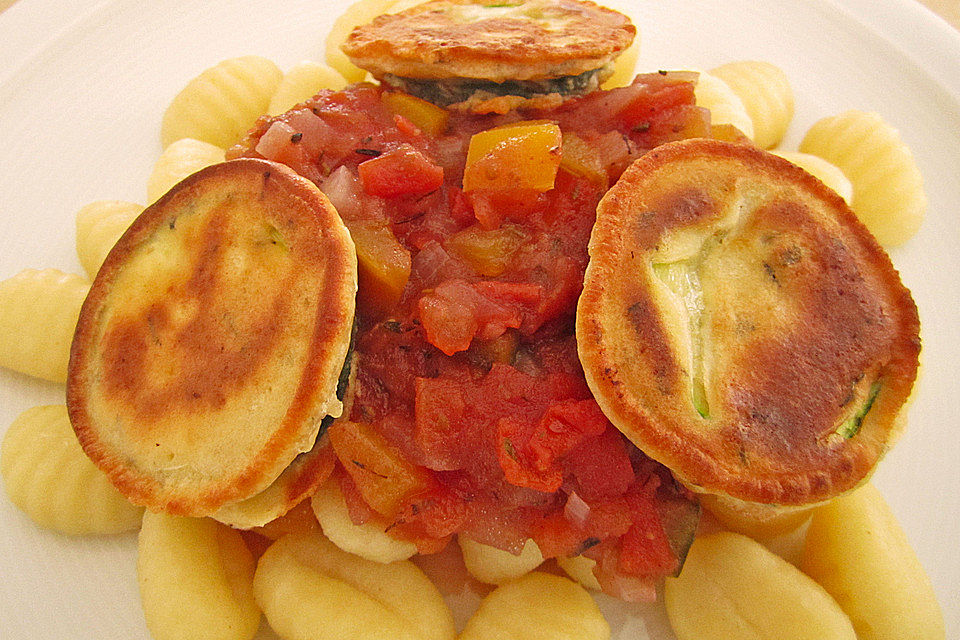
column 576, row 510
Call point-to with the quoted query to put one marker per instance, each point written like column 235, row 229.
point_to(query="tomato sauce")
column 471, row 414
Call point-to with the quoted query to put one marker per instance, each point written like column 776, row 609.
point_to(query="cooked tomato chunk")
column 401, row 171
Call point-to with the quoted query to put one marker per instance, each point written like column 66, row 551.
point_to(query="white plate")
column 82, row 89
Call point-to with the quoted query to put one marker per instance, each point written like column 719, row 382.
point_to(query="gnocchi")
column 725, row 106
column 310, row 589
column 220, row 104
column 358, row 13
column 38, row 313
column 99, row 225
column 766, row 94
column 580, row 568
column 368, row 540
column 495, row 566
column 758, row 521
column 732, row 587
column 624, row 67
column 856, row 549
column 179, row 160
column 48, row 476
column 537, row 606
column 302, row 82
column 826, row 172
column 196, row 580
column 888, row 194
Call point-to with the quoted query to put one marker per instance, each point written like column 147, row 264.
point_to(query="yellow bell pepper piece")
column 523, row 155
column 383, row 266
column 429, row 118
column 582, row 159
column 488, row 252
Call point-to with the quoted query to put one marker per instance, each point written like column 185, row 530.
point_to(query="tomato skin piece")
column 645, row 549
column 401, row 171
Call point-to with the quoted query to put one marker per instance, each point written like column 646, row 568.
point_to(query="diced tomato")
column 676, row 123
column 384, row 478
column 600, row 466
column 455, row 312
column 656, row 94
column 519, row 295
column 437, row 514
column 512, row 436
column 492, row 206
column 557, row 535
column 441, row 417
column 563, row 427
column 401, row 171
column 613, row 581
column 530, row 454
column 645, row 547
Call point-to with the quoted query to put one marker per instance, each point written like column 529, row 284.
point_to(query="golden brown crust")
column 299, row 480
column 768, row 354
column 211, row 342
column 491, row 40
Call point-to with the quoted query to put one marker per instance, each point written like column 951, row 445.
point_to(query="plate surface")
column 83, row 86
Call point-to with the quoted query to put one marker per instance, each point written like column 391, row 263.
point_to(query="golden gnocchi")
column 537, row 606
column 824, row 171
column 358, row 13
column 495, row 566
column 38, row 313
column 733, row 588
column 220, row 104
column 309, row 589
column 196, row 580
column 766, row 93
column 47, row 475
column 724, row 104
column 580, row 568
column 303, row 81
column 179, row 160
column 888, row 194
column 625, row 66
column 368, row 540
column 856, row 549
column 99, row 225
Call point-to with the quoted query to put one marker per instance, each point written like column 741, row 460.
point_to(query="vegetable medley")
column 471, row 414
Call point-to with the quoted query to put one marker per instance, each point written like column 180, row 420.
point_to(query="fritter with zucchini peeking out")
column 469, row 52
column 742, row 327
